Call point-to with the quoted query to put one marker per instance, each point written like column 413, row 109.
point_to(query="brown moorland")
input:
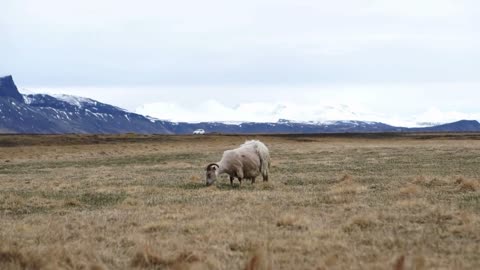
column 351, row 201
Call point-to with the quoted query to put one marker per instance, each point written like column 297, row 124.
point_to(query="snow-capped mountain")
column 39, row 113
column 54, row 114
column 253, row 111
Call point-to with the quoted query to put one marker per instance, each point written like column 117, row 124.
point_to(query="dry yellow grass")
column 334, row 202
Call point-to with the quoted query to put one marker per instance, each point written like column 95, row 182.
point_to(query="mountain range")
column 59, row 114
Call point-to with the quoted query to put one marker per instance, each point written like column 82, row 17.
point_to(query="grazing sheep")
column 246, row 162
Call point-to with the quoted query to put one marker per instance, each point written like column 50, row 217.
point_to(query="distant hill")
column 57, row 114
column 459, row 126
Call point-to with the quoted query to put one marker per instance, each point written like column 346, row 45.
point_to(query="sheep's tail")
column 264, row 155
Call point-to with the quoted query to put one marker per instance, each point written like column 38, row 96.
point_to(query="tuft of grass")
column 346, row 177
column 100, row 199
column 267, row 185
column 410, row 190
column 184, row 261
column 467, row 185
column 260, row 259
column 413, row 203
column 404, row 262
column 295, row 222
column 430, row 181
column 156, row 227
column 193, row 185
column 72, row 203
column 470, row 201
column 14, row 259
column 347, row 186
column 361, row 222
column 195, row 178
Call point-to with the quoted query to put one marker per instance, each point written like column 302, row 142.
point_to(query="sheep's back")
column 244, row 159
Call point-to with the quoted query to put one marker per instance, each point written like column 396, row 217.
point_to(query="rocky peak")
column 9, row 89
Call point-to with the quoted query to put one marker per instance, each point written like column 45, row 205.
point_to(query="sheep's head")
column 212, row 173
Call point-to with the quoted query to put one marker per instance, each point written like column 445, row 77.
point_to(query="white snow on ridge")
column 260, row 112
column 233, row 123
column 74, row 100
column 151, row 119
column 313, row 114
column 101, row 116
column 77, row 101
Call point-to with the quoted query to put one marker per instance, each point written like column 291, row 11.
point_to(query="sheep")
column 245, row 162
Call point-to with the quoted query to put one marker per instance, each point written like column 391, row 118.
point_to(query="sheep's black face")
column 211, row 175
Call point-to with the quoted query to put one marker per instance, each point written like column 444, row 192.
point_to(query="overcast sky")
column 401, row 62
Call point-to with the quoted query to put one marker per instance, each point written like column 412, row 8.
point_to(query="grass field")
column 333, row 202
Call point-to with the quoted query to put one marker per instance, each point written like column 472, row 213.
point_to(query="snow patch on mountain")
column 74, row 100
column 151, row 119
column 28, row 99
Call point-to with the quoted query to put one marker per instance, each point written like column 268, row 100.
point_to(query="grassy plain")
column 334, row 202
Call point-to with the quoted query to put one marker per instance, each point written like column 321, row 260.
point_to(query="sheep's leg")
column 265, row 178
column 253, row 180
column 240, row 176
column 231, row 180
column 240, row 179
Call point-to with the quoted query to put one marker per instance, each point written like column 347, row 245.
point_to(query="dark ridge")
column 9, row 89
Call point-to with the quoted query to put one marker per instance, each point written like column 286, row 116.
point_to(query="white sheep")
column 245, row 162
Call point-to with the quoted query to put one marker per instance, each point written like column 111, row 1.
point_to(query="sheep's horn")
column 212, row 164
